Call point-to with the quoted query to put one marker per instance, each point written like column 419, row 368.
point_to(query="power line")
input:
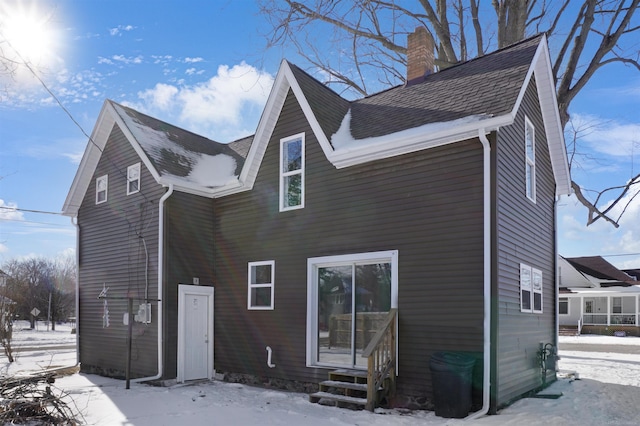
column 29, row 211
column 623, row 254
column 55, row 98
column 32, row 222
column 67, row 112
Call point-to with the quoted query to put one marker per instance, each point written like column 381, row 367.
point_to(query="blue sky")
column 202, row 65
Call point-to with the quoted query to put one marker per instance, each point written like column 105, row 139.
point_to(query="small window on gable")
column 261, row 282
column 292, row 172
column 133, row 179
column 530, row 289
column 530, row 160
column 102, row 184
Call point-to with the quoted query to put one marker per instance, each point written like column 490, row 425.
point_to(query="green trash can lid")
column 453, row 358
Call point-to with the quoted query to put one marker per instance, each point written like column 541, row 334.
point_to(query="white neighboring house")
column 595, row 297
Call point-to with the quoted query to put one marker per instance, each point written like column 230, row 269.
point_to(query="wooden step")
column 567, row 331
column 345, row 375
column 337, row 399
column 362, row 387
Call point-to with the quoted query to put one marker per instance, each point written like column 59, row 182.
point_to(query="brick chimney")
column 420, row 58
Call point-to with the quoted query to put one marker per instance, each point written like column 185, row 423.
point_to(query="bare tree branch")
column 369, row 38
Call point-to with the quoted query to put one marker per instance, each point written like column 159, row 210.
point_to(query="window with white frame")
column 563, row 306
column 102, row 184
column 530, row 159
column 292, row 172
column 261, row 282
column 525, row 288
column 588, row 307
column 348, row 298
column 537, row 290
column 530, row 289
column 133, row 179
column 616, row 305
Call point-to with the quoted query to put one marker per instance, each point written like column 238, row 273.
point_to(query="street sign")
column 35, row 312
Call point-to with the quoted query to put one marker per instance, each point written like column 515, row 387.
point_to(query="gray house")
column 357, row 237
column 597, row 298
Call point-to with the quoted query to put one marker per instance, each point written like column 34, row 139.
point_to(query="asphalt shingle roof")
column 597, row 267
column 328, row 107
column 486, row 85
column 172, row 149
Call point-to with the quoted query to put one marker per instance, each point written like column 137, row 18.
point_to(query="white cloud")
column 8, row 211
column 127, row 60
column 601, row 238
column 193, row 60
column 190, row 71
column 162, row 96
column 609, row 137
column 117, row 31
column 161, row 59
column 221, row 99
column 222, row 108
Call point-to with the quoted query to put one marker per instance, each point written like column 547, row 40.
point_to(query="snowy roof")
column 173, row 156
column 602, row 291
column 488, row 86
column 178, row 155
column 458, row 103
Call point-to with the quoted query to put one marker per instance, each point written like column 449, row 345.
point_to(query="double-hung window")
column 616, row 305
column 133, row 179
column 261, row 282
column 292, row 172
column 102, row 184
column 537, row 290
column 530, row 159
column 530, row 289
column 563, row 306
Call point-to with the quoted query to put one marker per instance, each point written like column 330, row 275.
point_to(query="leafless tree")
column 45, row 284
column 7, row 313
column 363, row 45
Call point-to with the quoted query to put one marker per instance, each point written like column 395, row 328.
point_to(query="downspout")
column 486, row 172
column 75, row 223
column 555, row 251
column 160, row 284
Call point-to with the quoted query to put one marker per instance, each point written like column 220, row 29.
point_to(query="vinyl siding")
column 188, row 255
column 112, row 254
column 525, row 234
column 427, row 205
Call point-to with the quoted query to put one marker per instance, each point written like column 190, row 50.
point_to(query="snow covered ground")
column 608, row 393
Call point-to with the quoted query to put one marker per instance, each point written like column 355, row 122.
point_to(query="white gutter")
column 486, row 379
column 160, row 284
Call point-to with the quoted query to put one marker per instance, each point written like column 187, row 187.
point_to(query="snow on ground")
column 607, row 393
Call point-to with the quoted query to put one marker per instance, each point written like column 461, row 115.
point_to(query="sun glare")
column 26, row 33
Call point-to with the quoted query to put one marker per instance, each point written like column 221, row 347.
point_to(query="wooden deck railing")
column 381, row 360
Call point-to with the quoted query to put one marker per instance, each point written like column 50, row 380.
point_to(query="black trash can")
column 451, row 375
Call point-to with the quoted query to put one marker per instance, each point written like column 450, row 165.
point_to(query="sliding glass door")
column 350, row 297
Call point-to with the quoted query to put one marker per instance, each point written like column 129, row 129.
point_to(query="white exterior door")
column 195, row 332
